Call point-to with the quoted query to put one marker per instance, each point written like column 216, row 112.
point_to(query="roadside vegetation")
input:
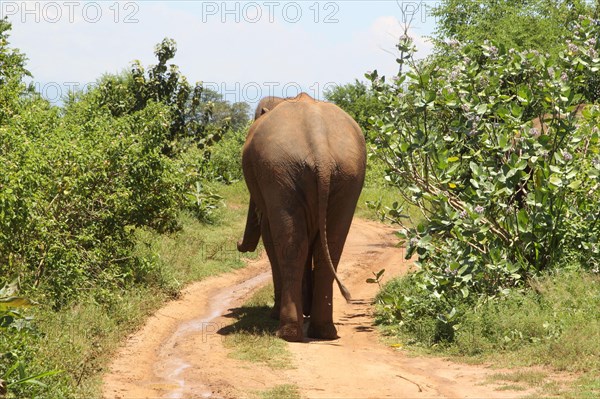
column 506, row 244
column 109, row 204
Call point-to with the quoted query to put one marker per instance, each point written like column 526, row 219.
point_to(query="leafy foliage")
column 77, row 183
column 553, row 324
column 502, row 199
column 197, row 115
column 522, row 24
column 225, row 161
column 12, row 61
column 12, row 321
column 73, row 189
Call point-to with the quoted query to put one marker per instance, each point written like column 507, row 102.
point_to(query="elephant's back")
column 305, row 130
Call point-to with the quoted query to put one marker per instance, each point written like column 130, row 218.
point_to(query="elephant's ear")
column 264, row 110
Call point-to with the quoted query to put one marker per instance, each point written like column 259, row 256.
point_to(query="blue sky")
column 245, row 50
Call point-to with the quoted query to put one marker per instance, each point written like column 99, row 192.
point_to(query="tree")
column 235, row 115
column 12, row 72
column 198, row 115
column 539, row 25
column 518, row 24
column 12, row 62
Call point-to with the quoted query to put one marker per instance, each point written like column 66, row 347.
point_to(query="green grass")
column 555, row 325
column 263, row 298
column 520, row 380
column 252, row 335
column 285, row 391
column 371, row 194
column 252, row 339
column 585, row 387
column 81, row 339
column 259, row 347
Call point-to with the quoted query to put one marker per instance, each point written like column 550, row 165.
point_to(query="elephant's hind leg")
column 339, row 218
column 308, row 281
column 291, row 247
column 276, row 271
column 321, row 318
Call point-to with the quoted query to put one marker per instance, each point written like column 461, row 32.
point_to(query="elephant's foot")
column 291, row 332
column 322, row 331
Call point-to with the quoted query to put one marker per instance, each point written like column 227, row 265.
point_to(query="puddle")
column 173, row 367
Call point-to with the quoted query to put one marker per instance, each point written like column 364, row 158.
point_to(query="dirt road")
column 178, row 353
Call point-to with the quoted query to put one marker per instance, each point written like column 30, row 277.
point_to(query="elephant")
column 540, row 124
column 266, row 104
column 304, row 164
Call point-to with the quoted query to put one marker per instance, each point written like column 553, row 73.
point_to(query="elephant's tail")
column 323, row 186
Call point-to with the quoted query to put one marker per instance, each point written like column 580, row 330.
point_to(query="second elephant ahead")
column 304, row 164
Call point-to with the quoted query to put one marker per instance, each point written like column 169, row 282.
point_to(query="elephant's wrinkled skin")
column 304, row 163
column 267, row 104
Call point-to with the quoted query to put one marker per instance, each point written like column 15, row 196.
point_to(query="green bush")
column 523, row 24
column 190, row 118
column 405, row 305
column 77, row 182
column 502, row 200
column 557, row 319
column 74, row 189
column 225, row 162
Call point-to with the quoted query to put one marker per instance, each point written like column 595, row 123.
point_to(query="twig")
column 404, row 378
